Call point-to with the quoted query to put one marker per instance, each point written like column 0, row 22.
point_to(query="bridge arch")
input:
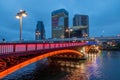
column 30, row 61
column 91, row 47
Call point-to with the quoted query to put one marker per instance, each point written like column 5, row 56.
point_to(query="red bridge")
column 16, row 55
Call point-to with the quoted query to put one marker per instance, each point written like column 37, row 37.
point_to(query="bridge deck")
column 10, row 48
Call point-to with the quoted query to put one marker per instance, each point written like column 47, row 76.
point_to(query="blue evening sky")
column 104, row 16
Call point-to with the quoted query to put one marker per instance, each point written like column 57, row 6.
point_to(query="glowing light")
column 21, row 14
column 17, row 17
column 24, row 15
column 21, row 10
column 25, row 63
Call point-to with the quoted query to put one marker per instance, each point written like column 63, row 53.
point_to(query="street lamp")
column 103, row 33
column 20, row 14
column 37, row 35
column 85, row 35
column 69, row 30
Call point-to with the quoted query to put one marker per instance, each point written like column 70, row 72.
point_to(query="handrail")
column 9, row 48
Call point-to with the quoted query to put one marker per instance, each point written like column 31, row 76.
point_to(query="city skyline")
column 104, row 16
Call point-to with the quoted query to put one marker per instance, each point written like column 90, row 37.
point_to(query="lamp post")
column 20, row 14
column 85, row 35
column 69, row 30
column 102, row 33
column 37, row 35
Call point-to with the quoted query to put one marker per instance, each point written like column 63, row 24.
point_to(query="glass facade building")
column 59, row 23
column 40, row 31
column 80, row 25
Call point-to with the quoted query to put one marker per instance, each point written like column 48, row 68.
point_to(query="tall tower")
column 40, row 31
column 83, row 22
column 59, row 23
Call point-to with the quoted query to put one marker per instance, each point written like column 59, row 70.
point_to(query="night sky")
column 104, row 16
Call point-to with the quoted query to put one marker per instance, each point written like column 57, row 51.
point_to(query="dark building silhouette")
column 59, row 23
column 80, row 20
column 40, row 31
column 80, row 26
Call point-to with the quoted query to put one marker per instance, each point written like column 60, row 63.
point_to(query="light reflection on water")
column 101, row 66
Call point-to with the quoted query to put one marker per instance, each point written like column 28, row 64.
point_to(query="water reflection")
column 92, row 65
column 98, row 66
column 60, row 70
column 64, row 70
column 85, row 69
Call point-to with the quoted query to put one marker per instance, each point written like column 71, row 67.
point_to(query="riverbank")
column 110, row 48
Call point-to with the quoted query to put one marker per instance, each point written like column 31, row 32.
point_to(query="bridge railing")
column 9, row 48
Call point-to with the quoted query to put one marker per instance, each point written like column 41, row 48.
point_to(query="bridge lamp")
column 81, row 51
column 19, row 15
column 69, row 30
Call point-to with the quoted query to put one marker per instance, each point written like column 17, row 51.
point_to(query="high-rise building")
column 59, row 23
column 40, row 31
column 80, row 26
column 80, row 20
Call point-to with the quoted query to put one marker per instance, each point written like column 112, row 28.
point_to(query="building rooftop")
column 59, row 11
column 78, row 27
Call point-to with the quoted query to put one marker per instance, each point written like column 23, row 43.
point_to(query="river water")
column 101, row 66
